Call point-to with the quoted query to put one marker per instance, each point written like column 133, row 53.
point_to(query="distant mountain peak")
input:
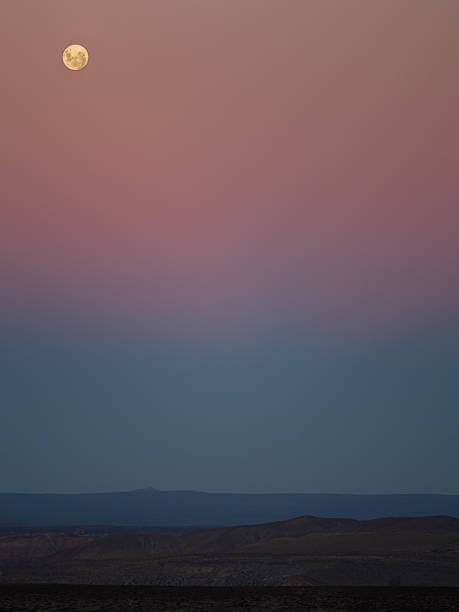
column 146, row 490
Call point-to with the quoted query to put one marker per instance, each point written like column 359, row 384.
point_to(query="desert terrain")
column 60, row 598
column 306, row 551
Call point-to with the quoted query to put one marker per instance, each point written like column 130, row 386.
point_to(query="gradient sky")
column 229, row 247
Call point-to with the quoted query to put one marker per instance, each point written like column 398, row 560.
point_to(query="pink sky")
column 240, row 160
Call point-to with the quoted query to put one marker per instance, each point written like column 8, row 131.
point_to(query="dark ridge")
column 190, row 508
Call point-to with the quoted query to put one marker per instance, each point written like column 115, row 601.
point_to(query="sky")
column 229, row 247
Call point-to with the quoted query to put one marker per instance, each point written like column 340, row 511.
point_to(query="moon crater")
column 75, row 57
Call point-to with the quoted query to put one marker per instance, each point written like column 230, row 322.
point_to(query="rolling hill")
column 305, row 550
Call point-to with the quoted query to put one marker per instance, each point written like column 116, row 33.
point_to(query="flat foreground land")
column 89, row 598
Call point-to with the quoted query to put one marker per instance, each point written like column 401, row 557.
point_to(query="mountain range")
column 160, row 508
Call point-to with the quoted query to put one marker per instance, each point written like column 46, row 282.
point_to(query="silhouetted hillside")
column 295, row 535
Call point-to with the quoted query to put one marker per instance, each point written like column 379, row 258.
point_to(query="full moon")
column 75, row 57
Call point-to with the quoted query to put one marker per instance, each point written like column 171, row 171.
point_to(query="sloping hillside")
column 39, row 546
column 303, row 534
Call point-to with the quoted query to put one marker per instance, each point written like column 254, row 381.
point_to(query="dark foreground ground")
column 88, row 598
